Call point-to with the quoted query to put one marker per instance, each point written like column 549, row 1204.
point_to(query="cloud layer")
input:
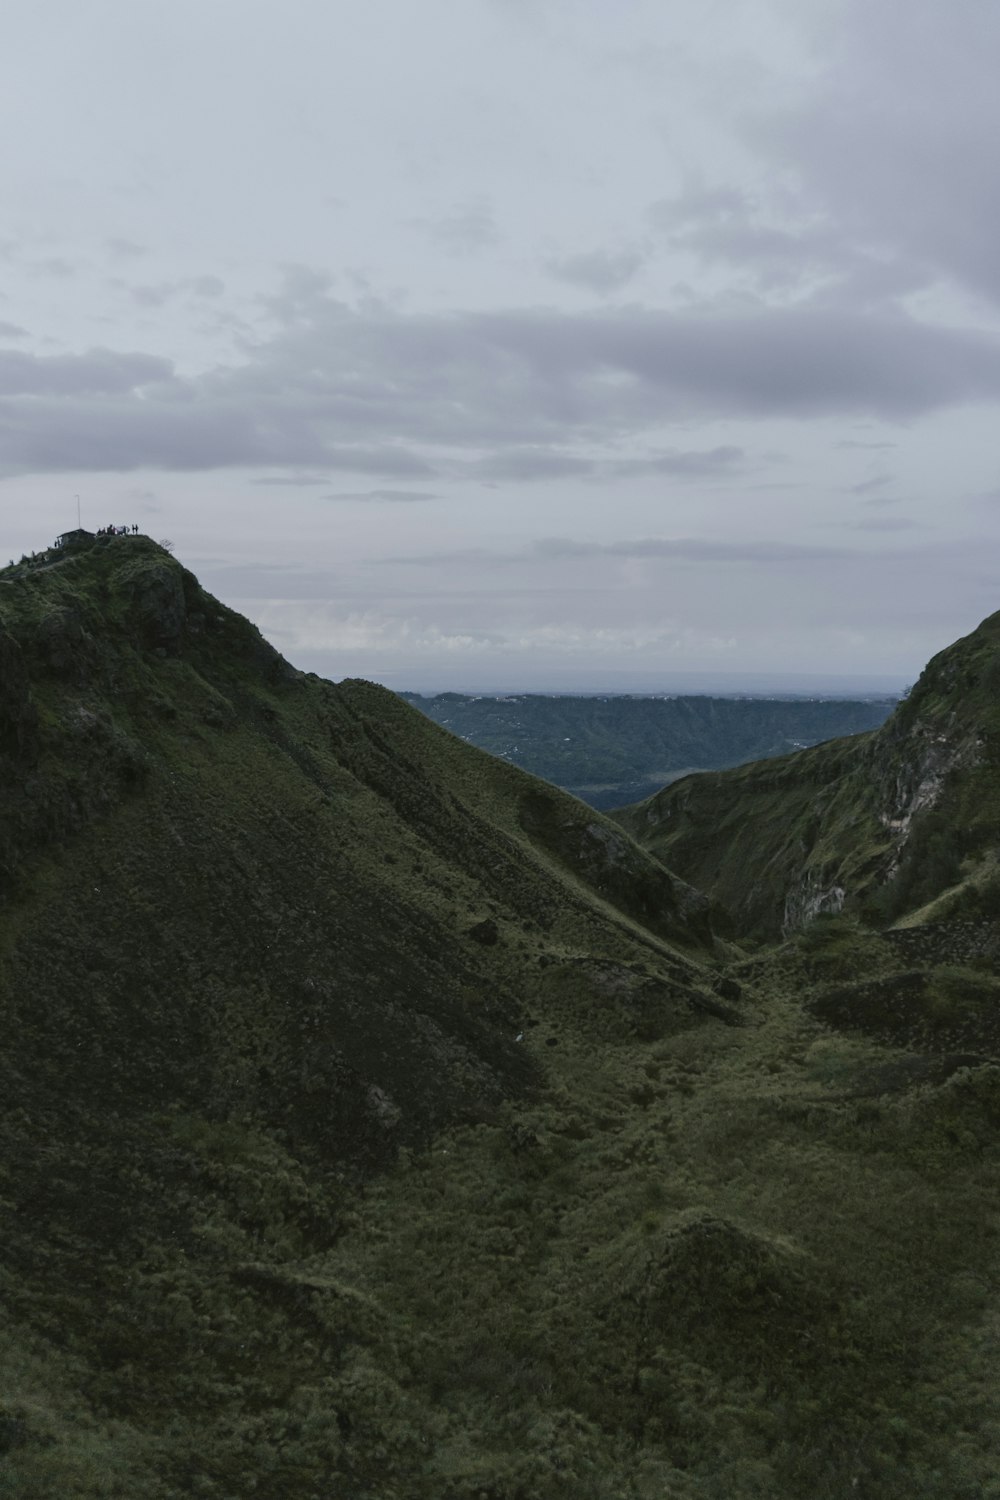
column 509, row 394
column 537, row 326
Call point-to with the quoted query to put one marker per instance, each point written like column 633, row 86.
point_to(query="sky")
column 498, row 345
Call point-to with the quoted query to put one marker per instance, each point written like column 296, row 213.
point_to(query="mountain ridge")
column 183, row 700
column 381, row 1121
column 882, row 822
column 611, row 750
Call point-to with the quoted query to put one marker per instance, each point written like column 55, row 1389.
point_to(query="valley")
column 381, row 1120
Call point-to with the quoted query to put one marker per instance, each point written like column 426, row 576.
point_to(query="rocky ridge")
column 881, row 821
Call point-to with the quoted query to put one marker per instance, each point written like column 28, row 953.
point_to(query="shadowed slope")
column 257, row 933
column 275, row 894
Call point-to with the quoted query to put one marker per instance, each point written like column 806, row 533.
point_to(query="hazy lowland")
column 612, row 750
column 383, row 1122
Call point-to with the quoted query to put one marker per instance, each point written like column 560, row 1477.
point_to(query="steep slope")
column 380, row 1122
column 885, row 822
column 231, row 856
column 238, row 899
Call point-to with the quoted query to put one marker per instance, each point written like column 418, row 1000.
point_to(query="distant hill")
column 613, row 750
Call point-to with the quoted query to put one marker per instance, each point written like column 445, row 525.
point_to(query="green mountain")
column 613, row 750
column 883, row 824
column 381, row 1122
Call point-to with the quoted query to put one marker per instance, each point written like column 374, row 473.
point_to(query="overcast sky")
column 518, row 343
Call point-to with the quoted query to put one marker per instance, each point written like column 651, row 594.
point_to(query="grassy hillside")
column 885, row 822
column 188, row 822
column 613, row 750
column 380, row 1122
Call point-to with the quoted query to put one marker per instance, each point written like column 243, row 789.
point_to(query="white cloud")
column 370, row 390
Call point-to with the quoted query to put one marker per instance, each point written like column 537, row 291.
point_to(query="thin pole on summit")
column 78, row 512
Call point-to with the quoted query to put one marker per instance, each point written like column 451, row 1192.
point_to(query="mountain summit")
column 276, row 894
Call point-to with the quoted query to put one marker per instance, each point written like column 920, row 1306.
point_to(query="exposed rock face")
column 811, row 899
column 912, row 770
column 918, row 782
column 781, row 842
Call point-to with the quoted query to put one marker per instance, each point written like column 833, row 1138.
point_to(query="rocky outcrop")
column 811, row 898
column 878, row 823
column 912, row 771
column 157, row 606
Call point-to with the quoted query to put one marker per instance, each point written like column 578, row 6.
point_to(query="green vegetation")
column 382, row 1122
column 612, row 750
column 778, row 841
column 883, row 822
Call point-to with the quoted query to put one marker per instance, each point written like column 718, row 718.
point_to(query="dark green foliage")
column 886, row 822
column 941, row 1009
column 931, row 862
column 380, row 1122
column 775, row 841
column 609, row 751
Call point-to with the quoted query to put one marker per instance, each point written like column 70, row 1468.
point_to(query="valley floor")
column 733, row 1262
column 704, row 1260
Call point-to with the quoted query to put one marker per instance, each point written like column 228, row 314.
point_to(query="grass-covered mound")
column 937, row 1007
